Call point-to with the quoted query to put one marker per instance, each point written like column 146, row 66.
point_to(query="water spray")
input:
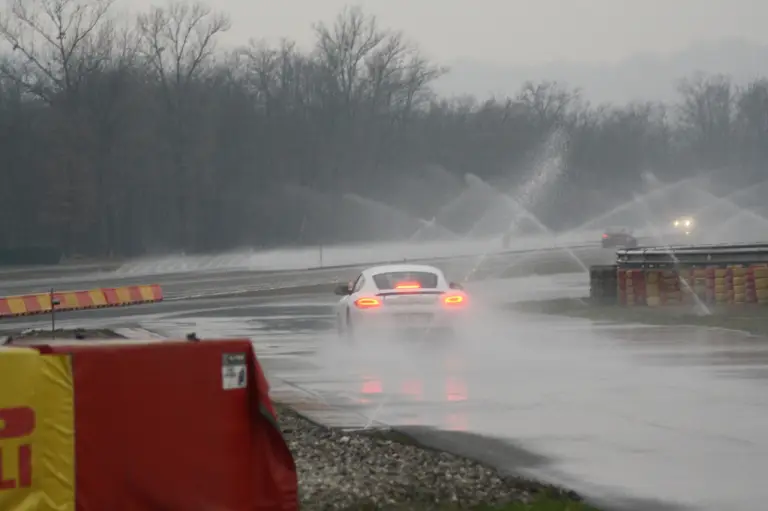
column 702, row 307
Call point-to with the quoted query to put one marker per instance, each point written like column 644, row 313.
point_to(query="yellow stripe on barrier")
column 146, row 293
column 44, row 301
column 69, row 301
column 123, row 294
column 37, row 435
column 98, row 298
column 16, row 305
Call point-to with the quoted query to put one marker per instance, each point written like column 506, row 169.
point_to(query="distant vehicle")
column 684, row 224
column 618, row 237
column 396, row 299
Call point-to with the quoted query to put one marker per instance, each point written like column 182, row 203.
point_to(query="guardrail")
column 692, row 255
column 693, row 274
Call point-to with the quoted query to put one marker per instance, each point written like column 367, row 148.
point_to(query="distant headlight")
column 677, row 223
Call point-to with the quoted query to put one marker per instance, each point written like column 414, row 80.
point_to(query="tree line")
column 128, row 137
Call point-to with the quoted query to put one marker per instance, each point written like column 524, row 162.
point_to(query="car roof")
column 395, row 268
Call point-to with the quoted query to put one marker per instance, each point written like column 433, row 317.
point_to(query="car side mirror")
column 342, row 290
column 454, row 285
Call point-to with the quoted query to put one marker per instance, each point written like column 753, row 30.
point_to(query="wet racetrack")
column 636, row 417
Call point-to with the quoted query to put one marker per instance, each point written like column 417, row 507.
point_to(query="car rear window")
column 391, row 280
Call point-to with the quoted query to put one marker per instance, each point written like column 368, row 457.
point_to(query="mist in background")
column 131, row 135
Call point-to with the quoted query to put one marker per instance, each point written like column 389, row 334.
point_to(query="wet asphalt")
column 634, row 417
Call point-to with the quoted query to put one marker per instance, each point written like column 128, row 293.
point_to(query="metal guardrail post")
column 54, row 303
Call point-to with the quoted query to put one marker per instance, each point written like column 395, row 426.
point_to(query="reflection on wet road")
column 623, row 413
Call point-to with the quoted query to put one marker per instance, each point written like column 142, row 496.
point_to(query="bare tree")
column 56, row 46
column 55, row 43
column 342, row 50
column 705, row 115
column 128, row 139
column 178, row 40
column 547, row 102
column 177, row 43
column 751, row 127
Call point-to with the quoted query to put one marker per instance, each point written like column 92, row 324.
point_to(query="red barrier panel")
column 176, row 425
column 156, row 292
column 33, row 304
column 710, row 293
column 637, row 280
column 621, row 283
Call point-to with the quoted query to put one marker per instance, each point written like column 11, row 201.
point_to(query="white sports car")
column 392, row 298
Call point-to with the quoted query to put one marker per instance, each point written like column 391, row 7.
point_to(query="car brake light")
column 453, row 300
column 605, row 236
column 367, row 303
column 408, row 285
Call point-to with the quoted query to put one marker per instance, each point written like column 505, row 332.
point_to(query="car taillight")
column 367, row 303
column 408, row 285
column 453, row 300
column 605, row 236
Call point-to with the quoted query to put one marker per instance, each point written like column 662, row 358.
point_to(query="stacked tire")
column 621, row 285
column 653, row 289
column 720, row 284
column 603, row 284
column 636, row 292
column 738, row 276
column 760, row 280
column 671, row 292
column 701, row 284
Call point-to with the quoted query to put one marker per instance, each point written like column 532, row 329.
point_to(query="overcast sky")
column 515, row 32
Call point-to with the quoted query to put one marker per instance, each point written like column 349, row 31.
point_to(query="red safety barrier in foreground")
column 176, row 426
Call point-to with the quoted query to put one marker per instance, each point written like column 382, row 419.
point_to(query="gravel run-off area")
column 340, row 470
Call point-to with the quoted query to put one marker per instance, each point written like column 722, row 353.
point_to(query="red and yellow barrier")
column 80, row 300
column 730, row 285
column 71, row 438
